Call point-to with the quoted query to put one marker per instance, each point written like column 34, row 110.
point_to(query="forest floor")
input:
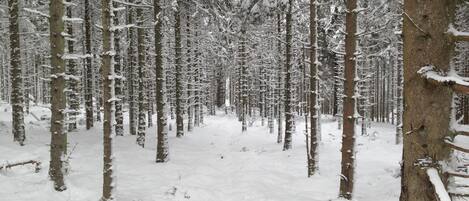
column 215, row 162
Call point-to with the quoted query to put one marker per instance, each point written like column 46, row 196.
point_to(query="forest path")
column 215, row 162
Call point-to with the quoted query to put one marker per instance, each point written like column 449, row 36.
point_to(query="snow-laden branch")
column 75, row 56
column 133, row 4
column 72, row 20
column 119, row 27
column 458, row 84
column 36, row 12
column 438, row 185
column 458, row 35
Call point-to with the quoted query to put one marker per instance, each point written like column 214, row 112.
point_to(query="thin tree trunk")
column 17, row 99
column 88, row 68
column 58, row 145
column 348, row 134
column 141, row 65
column 179, row 79
column 162, row 152
column 289, row 113
column 73, row 99
column 119, row 81
column 313, row 107
column 108, row 96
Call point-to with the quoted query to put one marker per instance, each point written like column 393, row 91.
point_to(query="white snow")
column 438, row 184
column 214, row 162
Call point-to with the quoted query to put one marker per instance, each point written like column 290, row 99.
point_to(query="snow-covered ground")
column 215, row 162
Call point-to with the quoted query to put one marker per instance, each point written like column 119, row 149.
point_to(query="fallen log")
column 37, row 165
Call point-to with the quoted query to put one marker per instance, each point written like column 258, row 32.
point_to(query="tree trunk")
column 179, row 79
column 427, row 108
column 313, row 107
column 88, row 68
column 141, row 91
column 162, row 152
column 73, row 99
column 17, row 99
column 348, row 135
column 108, row 96
column 133, row 109
column 58, row 145
column 289, row 113
column 119, row 88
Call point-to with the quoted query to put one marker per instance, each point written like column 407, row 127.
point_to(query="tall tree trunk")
column 289, row 113
column 427, row 110
column 313, row 95
column 162, row 152
column 119, row 88
column 73, row 99
column 141, row 65
column 179, row 79
column 88, row 68
column 244, row 80
column 348, row 134
column 17, row 100
column 279, row 83
column 108, row 99
column 58, row 145
column 133, row 109
column 189, row 72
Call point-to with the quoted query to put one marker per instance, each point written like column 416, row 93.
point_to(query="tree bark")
column 179, row 78
column 162, row 152
column 108, row 99
column 349, row 103
column 427, row 108
column 58, row 145
column 289, row 113
column 313, row 95
column 141, row 65
column 88, row 68
column 17, row 99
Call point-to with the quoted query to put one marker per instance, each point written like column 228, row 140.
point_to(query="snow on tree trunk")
column 88, row 68
column 118, row 70
column 179, row 78
column 17, row 99
column 133, row 109
column 162, row 152
column 141, row 65
column 58, row 145
column 73, row 102
column 108, row 75
column 189, row 71
column 349, row 103
column 314, row 106
column 427, row 107
column 289, row 113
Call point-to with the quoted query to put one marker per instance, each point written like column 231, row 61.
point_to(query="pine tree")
column 162, row 153
column 289, row 113
column 88, row 68
column 426, row 118
column 58, row 145
column 141, row 69
column 313, row 107
column 349, row 103
column 178, row 62
column 17, row 99
column 108, row 75
column 119, row 87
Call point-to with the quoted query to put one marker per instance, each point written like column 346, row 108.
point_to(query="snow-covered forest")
column 236, row 100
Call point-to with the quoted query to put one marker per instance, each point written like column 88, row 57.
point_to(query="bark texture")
column 58, row 145
column 427, row 107
column 349, row 103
